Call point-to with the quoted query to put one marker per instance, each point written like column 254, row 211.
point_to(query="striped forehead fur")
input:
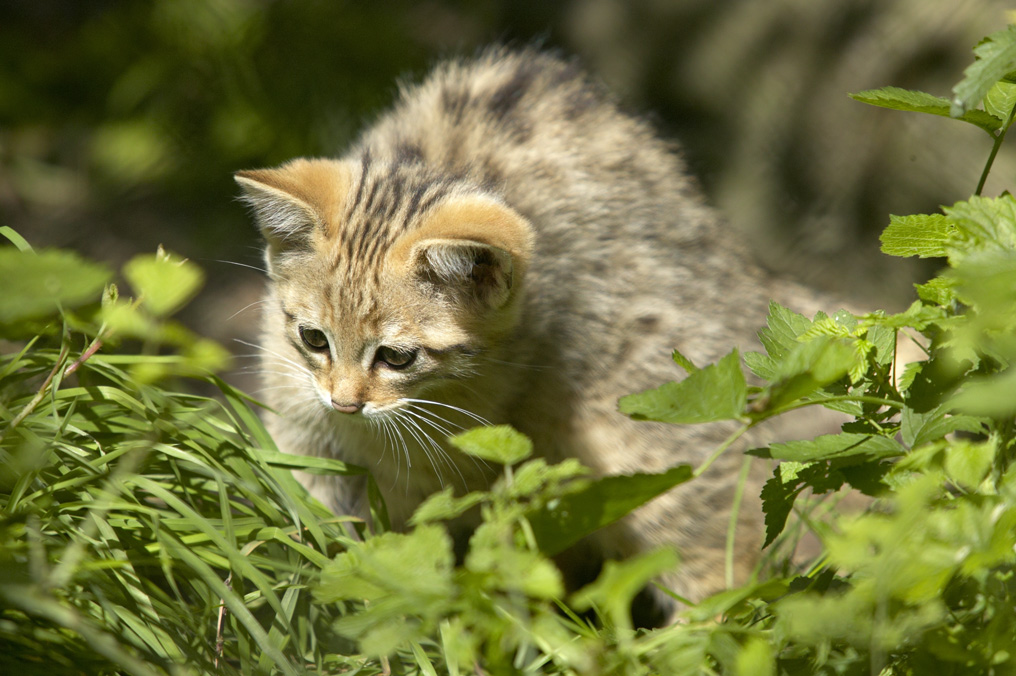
column 387, row 200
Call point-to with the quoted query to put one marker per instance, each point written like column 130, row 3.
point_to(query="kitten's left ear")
column 293, row 202
column 476, row 246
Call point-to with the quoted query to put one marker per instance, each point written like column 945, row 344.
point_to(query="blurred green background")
column 122, row 122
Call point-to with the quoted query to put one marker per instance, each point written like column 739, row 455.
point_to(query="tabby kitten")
column 504, row 246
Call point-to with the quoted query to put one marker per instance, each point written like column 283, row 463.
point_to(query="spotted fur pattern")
column 504, row 246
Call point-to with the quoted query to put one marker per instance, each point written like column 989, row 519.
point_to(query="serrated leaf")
column 761, row 365
column 36, row 285
column 620, row 581
column 995, row 58
column 836, row 446
column 163, row 282
column 566, row 520
column 716, row 392
column 939, row 291
column 984, row 224
column 374, row 569
column 918, row 316
column 896, row 98
column 922, row 235
column 514, row 570
column 989, row 396
column 443, row 506
column 809, row 367
column 497, row 443
column 777, row 502
column 1000, row 99
column 918, row 429
column 683, row 362
column 783, row 326
column 968, row 463
column 883, row 341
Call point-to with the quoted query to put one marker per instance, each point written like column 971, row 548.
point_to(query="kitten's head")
column 387, row 281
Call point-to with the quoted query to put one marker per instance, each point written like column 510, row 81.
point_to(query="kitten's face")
column 386, row 286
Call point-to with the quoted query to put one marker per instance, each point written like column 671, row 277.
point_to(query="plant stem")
column 994, row 151
column 735, row 508
column 89, row 351
column 722, row 447
column 891, row 403
column 37, row 399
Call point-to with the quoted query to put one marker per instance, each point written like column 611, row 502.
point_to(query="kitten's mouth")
column 349, row 408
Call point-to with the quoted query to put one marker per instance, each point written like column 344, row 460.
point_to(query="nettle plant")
column 148, row 531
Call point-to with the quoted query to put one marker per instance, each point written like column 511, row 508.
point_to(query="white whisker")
column 439, row 450
column 242, row 265
column 245, row 308
column 477, row 418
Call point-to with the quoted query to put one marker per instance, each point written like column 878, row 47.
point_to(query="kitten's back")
column 624, row 240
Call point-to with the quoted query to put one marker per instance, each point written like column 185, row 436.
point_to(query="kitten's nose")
column 346, row 408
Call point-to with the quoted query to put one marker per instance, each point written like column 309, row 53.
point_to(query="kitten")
column 505, row 246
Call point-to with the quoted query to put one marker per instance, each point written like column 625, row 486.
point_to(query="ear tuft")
column 283, row 219
column 476, row 246
column 484, row 273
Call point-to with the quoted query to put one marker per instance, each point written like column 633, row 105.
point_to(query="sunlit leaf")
column 573, row 516
column 39, row 284
column 716, row 392
column 163, row 282
column 498, row 443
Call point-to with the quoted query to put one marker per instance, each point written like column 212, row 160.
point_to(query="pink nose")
column 346, row 408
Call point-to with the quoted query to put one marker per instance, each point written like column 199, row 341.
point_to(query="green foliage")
column 150, row 531
column 142, row 530
column 717, row 392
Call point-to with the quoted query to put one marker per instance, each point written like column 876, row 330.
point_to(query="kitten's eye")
column 393, row 358
column 315, row 339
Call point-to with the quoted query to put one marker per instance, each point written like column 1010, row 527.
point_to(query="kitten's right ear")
column 296, row 201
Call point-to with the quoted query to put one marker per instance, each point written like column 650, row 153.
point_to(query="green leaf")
column 683, row 362
column 989, row 396
column 375, row 569
column 756, row 658
column 716, row 392
column 922, row 102
column 917, row 428
column 808, row 368
column 938, row 291
column 925, row 236
column 37, row 285
column 15, row 238
column 511, row 569
column 163, row 282
column 497, row 443
column 996, row 57
column 571, row 517
column 838, row 446
column 443, row 506
column 783, row 327
column 1000, row 100
column 778, row 495
column 984, row 224
column 619, row 583
column 968, row 463
column 310, row 464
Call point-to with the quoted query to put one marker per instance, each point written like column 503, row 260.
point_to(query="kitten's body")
column 535, row 254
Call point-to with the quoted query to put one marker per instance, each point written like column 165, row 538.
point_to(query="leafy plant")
column 150, row 531
column 142, row 530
